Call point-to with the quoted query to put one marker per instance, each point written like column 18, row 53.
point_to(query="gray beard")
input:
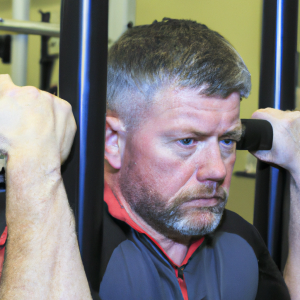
column 173, row 221
column 187, row 227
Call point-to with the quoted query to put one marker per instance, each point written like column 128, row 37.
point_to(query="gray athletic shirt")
column 232, row 264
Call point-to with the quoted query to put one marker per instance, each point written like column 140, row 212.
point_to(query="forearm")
column 43, row 260
column 292, row 267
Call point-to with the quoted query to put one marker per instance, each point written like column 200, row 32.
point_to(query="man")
column 174, row 89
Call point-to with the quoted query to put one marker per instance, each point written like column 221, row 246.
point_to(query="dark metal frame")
column 277, row 89
column 84, row 86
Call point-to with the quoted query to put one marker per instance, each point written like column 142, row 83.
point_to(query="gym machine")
column 83, row 53
column 278, row 77
column 85, row 86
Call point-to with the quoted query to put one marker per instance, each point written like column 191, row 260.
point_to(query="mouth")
column 203, row 202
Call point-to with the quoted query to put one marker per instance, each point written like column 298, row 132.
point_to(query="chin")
column 197, row 224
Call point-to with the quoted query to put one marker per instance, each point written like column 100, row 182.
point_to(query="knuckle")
column 287, row 123
column 74, row 125
column 31, row 91
column 5, row 77
column 296, row 114
column 13, row 91
column 67, row 108
column 48, row 97
column 67, row 105
column 257, row 114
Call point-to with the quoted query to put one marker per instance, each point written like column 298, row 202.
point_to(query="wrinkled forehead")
column 184, row 113
column 188, row 105
column 173, row 98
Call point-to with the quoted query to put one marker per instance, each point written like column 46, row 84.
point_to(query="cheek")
column 157, row 167
column 229, row 167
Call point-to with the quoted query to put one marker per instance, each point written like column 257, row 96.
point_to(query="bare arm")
column 43, row 260
column 292, row 267
column 286, row 153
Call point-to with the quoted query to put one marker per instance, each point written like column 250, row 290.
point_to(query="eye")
column 228, row 142
column 186, row 142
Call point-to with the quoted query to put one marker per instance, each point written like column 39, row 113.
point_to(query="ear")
column 114, row 141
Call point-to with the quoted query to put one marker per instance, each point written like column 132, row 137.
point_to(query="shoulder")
column 271, row 283
column 235, row 224
column 130, row 274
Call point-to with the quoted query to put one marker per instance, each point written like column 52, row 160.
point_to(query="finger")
column 265, row 114
column 65, row 126
column 264, row 155
column 5, row 82
column 68, row 138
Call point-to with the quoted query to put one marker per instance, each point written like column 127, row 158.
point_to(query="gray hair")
column 177, row 53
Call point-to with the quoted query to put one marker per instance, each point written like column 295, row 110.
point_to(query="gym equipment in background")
column 82, row 82
column 28, row 27
column 256, row 135
column 83, row 53
column 5, row 48
column 277, row 90
column 47, row 60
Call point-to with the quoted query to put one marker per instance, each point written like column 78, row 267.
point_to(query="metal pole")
column 83, row 67
column 47, row 60
column 20, row 10
column 27, row 27
column 277, row 89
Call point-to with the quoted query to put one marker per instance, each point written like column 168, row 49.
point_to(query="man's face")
column 177, row 166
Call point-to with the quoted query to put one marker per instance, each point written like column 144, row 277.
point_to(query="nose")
column 212, row 165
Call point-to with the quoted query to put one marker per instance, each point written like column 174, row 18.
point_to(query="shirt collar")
column 119, row 212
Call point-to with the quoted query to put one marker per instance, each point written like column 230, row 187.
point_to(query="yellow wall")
column 34, row 42
column 239, row 21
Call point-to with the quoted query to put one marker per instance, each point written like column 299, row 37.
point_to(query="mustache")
column 201, row 192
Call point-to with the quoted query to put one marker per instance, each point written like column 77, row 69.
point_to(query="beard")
column 175, row 218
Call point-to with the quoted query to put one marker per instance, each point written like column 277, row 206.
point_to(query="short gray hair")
column 180, row 53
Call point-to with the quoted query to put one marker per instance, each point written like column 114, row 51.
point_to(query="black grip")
column 257, row 135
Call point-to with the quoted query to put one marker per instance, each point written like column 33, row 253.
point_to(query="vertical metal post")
column 47, row 60
column 20, row 9
column 83, row 68
column 84, row 93
column 277, row 89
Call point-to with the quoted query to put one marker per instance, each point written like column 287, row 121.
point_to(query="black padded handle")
column 257, row 135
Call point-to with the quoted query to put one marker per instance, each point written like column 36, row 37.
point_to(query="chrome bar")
column 28, row 27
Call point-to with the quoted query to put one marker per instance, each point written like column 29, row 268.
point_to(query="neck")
column 176, row 251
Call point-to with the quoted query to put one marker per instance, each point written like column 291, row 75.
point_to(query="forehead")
column 185, row 107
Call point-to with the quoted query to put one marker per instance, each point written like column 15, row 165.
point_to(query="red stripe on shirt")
column 2, row 248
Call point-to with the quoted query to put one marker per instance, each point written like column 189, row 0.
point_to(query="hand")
column 285, row 151
column 33, row 121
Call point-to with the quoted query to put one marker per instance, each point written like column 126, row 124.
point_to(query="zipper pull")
column 180, row 272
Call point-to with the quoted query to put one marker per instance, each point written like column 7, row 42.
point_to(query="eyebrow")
column 234, row 134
